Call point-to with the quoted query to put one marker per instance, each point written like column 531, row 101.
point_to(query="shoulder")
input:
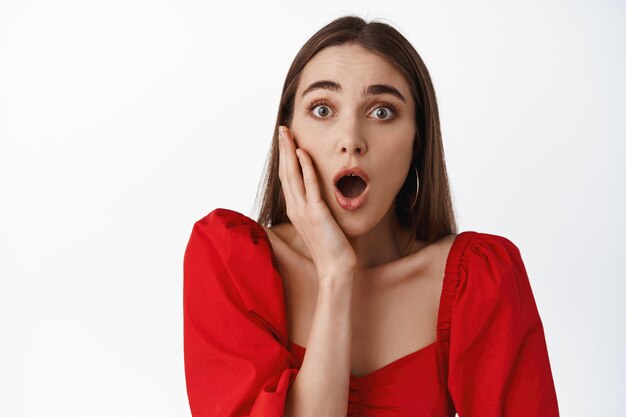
column 239, row 241
column 286, row 242
column 227, row 258
column 474, row 246
column 494, row 286
column 489, row 248
column 278, row 233
column 493, row 241
column 222, row 223
column 493, row 266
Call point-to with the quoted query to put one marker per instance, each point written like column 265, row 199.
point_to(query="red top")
column 490, row 357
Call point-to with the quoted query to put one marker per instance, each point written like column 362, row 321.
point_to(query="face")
column 344, row 128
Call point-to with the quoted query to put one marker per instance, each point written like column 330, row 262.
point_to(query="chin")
column 352, row 232
column 353, row 223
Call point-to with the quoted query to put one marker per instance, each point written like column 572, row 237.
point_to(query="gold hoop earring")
column 417, row 186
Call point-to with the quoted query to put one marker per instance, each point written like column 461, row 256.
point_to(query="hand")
column 308, row 212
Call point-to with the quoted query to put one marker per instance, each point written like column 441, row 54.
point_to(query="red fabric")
column 490, row 357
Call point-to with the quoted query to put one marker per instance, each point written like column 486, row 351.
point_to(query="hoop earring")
column 417, row 180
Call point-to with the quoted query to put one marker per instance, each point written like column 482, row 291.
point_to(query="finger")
column 311, row 183
column 284, row 181
column 282, row 171
column 281, row 161
column 292, row 169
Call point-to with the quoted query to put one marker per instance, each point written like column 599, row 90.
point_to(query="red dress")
column 490, row 357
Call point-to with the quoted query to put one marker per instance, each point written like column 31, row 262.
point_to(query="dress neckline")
column 385, row 368
column 450, row 280
column 449, row 269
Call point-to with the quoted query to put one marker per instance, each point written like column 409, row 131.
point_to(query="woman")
column 360, row 299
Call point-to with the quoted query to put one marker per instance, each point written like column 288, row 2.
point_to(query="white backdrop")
column 124, row 122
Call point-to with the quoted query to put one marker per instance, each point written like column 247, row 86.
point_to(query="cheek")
column 313, row 128
column 395, row 171
column 322, row 172
column 393, row 167
column 304, row 133
column 309, row 140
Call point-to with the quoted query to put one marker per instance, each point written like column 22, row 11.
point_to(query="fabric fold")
column 236, row 361
column 498, row 359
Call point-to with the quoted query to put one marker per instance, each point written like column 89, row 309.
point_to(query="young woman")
column 353, row 294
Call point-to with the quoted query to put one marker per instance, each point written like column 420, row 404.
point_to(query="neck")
column 385, row 242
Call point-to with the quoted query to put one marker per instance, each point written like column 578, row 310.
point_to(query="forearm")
column 321, row 387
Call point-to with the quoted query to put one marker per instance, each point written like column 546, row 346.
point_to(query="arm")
column 499, row 365
column 235, row 364
column 321, row 387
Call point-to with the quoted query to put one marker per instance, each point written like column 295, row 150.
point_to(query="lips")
column 351, row 187
column 351, row 170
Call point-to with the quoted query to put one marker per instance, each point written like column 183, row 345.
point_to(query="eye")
column 383, row 113
column 322, row 104
column 384, row 110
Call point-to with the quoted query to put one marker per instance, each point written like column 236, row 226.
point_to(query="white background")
column 124, row 122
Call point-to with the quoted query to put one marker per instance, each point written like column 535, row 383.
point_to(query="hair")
column 432, row 216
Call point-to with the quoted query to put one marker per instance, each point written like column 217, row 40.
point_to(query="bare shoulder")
column 439, row 247
column 287, row 237
column 436, row 253
column 444, row 244
column 447, row 240
column 281, row 237
column 277, row 232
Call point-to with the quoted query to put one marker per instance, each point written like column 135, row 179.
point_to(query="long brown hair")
column 432, row 216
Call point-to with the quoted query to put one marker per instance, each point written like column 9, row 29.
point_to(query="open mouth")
column 351, row 185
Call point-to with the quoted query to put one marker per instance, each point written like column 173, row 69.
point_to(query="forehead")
column 353, row 67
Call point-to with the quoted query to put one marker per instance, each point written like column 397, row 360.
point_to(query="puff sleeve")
column 236, row 363
column 499, row 365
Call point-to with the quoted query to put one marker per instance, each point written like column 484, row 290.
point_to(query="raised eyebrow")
column 372, row 89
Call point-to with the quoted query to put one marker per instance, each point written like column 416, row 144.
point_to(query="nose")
column 352, row 141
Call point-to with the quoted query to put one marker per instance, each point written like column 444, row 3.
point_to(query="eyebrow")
column 372, row 89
